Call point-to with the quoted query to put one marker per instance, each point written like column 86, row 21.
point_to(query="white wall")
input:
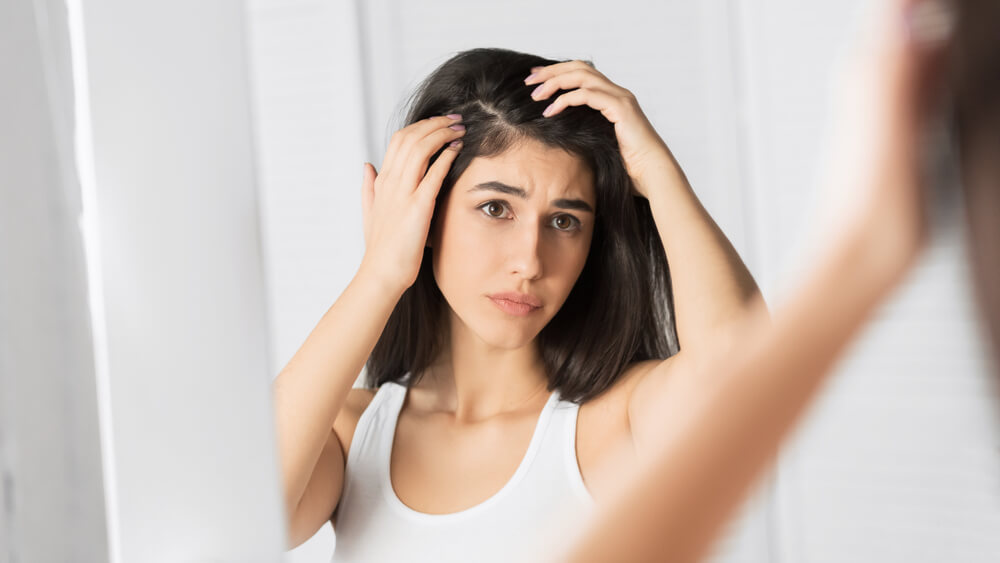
column 897, row 462
column 181, row 268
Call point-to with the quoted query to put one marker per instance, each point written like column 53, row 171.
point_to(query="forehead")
column 536, row 168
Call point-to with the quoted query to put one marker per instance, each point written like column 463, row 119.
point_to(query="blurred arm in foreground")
column 891, row 98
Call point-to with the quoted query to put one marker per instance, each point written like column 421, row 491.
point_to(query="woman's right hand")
column 398, row 203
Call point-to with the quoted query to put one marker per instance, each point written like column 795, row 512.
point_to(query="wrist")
column 371, row 275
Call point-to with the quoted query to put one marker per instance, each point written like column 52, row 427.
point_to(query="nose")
column 524, row 252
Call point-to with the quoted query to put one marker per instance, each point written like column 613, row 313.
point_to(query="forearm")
column 311, row 389
column 711, row 285
column 707, row 463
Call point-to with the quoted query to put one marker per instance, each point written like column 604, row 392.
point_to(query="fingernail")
column 456, row 143
column 457, row 127
column 548, row 110
column 454, row 116
column 537, row 90
column 530, row 76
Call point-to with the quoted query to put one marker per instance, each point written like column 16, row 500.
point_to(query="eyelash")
column 576, row 222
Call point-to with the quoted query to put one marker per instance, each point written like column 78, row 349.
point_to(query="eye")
column 564, row 222
column 572, row 222
column 490, row 205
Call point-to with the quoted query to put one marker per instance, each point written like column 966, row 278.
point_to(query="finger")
column 367, row 195
column 540, row 74
column 415, row 153
column 575, row 79
column 613, row 107
column 420, row 154
column 431, row 184
column 401, row 140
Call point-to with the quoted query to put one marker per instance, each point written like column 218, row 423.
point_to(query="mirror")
column 183, row 206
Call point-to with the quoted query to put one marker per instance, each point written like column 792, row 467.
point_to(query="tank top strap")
column 565, row 415
column 374, row 431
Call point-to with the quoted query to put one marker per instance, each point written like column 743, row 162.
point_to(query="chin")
column 512, row 335
column 508, row 341
column 508, row 333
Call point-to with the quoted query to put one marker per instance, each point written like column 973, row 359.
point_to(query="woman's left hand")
column 641, row 147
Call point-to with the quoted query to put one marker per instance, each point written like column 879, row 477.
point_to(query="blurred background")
column 180, row 204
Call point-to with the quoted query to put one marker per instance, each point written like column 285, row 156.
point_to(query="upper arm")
column 322, row 492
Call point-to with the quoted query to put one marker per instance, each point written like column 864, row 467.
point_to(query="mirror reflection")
column 688, row 282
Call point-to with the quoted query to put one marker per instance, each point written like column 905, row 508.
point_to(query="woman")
column 514, row 310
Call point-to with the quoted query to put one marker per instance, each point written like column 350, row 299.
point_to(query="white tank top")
column 534, row 510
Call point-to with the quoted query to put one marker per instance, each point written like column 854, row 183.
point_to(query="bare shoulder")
column 347, row 421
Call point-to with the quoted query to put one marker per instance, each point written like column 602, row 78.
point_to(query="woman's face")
column 522, row 222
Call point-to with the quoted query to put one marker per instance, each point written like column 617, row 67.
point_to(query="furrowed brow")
column 563, row 203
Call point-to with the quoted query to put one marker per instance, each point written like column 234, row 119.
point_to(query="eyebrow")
column 577, row 204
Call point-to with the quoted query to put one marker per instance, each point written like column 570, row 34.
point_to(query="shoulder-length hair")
column 620, row 309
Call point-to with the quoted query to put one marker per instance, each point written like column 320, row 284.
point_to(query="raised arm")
column 711, row 285
column 699, row 468
column 311, row 390
column 704, row 465
column 712, row 288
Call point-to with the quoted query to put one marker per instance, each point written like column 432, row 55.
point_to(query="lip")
column 517, row 304
column 522, row 298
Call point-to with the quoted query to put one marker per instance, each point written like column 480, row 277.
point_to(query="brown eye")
column 490, row 206
column 571, row 223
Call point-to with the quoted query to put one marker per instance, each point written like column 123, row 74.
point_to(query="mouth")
column 514, row 307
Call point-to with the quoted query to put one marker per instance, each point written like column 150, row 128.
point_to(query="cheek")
column 573, row 262
column 461, row 251
column 571, row 253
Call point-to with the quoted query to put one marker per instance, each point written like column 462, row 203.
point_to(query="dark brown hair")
column 620, row 309
column 975, row 86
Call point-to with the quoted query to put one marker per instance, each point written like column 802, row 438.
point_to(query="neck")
column 475, row 380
